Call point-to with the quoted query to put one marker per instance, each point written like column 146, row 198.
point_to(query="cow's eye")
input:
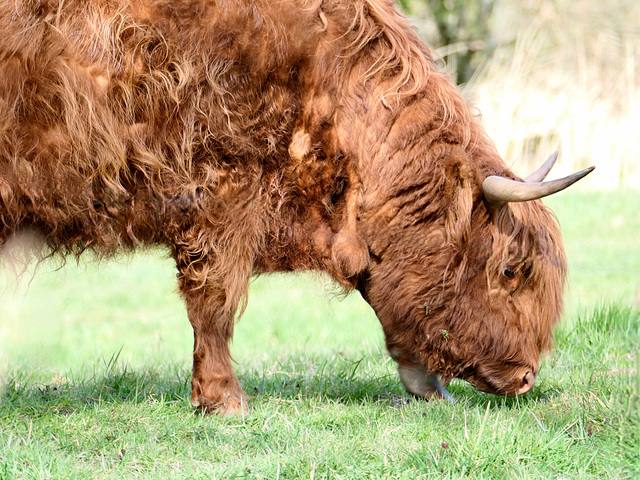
column 508, row 273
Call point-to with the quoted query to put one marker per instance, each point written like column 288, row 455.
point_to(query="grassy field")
column 95, row 370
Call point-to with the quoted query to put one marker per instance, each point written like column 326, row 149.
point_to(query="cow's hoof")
column 232, row 406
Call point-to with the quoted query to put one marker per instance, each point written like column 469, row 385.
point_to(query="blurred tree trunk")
column 463, row 26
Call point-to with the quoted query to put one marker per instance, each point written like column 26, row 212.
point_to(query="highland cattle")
column 259, row 136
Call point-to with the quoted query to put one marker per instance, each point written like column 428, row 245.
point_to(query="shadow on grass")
column 63, row 395
column 327, row 379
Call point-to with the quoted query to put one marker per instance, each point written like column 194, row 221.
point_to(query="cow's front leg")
column 214, row 385
column 417, row 380
column 214, row 267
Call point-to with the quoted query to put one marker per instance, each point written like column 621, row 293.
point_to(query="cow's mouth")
column 470, row 374
column 485, row 383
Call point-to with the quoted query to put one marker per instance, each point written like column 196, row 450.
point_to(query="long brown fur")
column 262, row 136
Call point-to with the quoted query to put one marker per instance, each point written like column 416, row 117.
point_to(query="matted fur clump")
column 260, row 136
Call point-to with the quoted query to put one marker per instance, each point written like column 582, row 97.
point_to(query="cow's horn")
column 540, row 174
column 499, row 190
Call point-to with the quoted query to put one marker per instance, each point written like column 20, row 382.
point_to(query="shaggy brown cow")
column 261, row 136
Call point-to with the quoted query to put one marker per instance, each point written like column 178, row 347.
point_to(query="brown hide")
column 262, row 136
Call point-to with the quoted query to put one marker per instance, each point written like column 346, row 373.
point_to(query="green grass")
column 601, row 233
column 95, row 369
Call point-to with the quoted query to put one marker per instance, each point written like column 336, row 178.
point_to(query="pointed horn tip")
column 541, row 173
column 583, row 173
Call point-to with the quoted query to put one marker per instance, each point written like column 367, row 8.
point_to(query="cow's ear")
column 461, row 189
column 349, row 253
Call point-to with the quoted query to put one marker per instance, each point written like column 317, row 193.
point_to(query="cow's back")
column 109, row 111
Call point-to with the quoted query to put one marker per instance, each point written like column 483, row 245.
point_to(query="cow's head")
column 468, row 284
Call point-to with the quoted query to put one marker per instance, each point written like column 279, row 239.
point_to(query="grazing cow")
column 261, row 136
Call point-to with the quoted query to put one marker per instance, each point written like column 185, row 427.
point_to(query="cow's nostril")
column 527, row 383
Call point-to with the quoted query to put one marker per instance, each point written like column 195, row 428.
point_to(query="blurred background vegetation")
column 547, row 75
